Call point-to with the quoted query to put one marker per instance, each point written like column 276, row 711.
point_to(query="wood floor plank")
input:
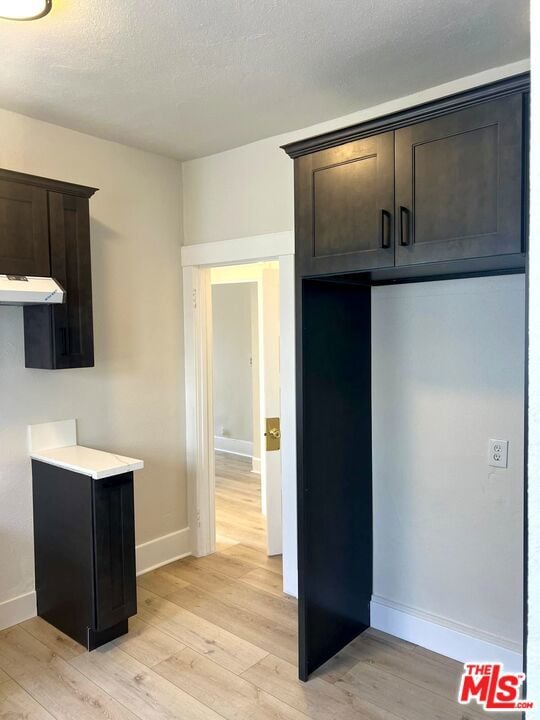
column 233, row 568
column 53, row 638
column 53, row 682
column 410, row 701
column 206, row 638
column 264, row 580
column 160, row 582
column 147, row 644
column 318, row 699
column 224, row 543
column 278, row 608
column 256, row 557
column 338, row 666
column 17, row 704
column 4, row 676
column 196, row 575
column 273, row 637
column 415, row 668
column 231, row 696
column 145, row 693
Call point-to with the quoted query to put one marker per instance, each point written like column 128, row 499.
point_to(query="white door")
column 270, row 406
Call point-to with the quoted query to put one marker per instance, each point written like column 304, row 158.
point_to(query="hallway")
column 238, row 504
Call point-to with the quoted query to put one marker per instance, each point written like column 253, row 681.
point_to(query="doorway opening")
column 271, row 258
column 244, row 356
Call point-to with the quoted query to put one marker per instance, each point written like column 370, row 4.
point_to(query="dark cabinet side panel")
column 63, row 548
column 66, row 339
column 459, row 184
column 115, row 582
column 334, row 483
column 344, row 207
column 24, row 233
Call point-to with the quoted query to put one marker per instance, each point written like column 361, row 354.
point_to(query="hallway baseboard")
column 233, row 446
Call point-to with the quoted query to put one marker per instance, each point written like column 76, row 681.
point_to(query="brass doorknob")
column 275, row 433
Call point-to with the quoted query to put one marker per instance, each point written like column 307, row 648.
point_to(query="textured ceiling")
column 187, row 78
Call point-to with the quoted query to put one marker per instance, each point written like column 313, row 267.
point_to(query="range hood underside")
column 21, row 290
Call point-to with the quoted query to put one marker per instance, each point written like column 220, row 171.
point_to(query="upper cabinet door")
column 70, row 264
column 459, row 182
column 344, row 207
column 24, row 233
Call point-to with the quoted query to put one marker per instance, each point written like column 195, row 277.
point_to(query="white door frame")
column 196, row 262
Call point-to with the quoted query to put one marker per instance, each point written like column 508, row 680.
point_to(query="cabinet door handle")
column 404, row 226
column 65, row 341
column 385, row 229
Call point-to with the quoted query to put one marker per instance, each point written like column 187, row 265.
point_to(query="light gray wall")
column 132, row 401
column 232, row 332
column 448, row 375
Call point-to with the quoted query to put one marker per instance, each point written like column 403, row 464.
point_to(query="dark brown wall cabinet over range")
column 435, row 191
column 45, row 231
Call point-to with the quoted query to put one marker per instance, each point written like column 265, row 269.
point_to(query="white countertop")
column 95, row 463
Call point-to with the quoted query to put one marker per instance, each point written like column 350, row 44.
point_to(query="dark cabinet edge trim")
column 417, row 113
column 66, row 188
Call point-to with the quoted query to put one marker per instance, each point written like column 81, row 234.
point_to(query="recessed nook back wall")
column 448, row 374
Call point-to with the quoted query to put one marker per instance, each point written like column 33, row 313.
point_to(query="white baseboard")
column 235, row 447
column 162, row 550
column 17, row 609
column 256, row 465
column 443, row 636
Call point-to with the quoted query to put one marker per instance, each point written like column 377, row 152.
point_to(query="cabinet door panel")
column 24, row 233
column 71, row 266
column 114, row 554
column 345, row 199
column 459, row 185
column 62, row 336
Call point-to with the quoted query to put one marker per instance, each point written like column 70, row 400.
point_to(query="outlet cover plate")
column 498, row 453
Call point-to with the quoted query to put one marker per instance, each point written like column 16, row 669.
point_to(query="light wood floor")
column 239, row 519
column 215, row 638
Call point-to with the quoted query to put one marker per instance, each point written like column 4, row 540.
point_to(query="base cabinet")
column 84, row 543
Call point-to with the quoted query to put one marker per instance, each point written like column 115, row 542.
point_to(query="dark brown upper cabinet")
column 45, row 230
column 434, row 190
column 459, row 184
column 70, row 264
column 24, row 233
column 346, row 204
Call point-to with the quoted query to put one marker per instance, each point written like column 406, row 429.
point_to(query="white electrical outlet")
column 498, row 453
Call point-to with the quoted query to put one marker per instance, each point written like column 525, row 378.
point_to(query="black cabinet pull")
column 65, row 341
column 404, row 226
column 385, row 229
